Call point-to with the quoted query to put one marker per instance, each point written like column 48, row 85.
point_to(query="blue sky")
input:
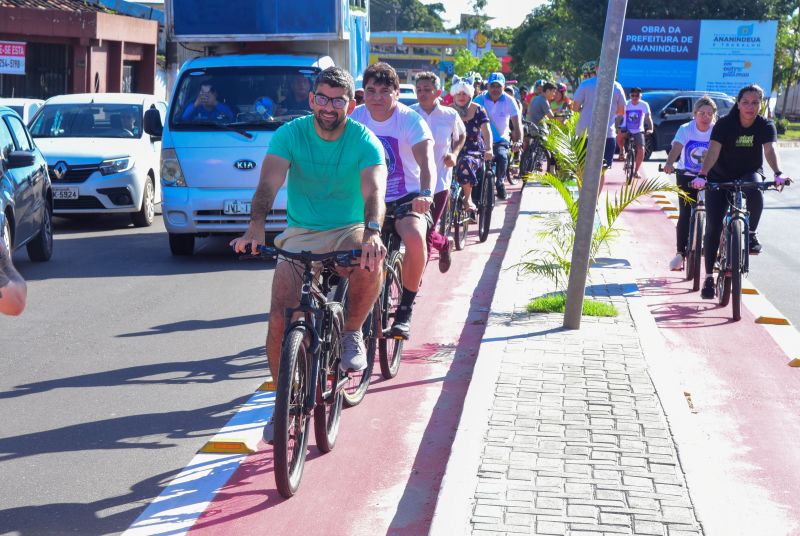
column 506, row 12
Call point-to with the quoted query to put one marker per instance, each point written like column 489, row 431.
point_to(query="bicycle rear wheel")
column 724, row 277
column 697, row 259
column 485, row 208
column 328, row 410
column 737, row 256
column 526, row 161
column 389, row 348
column 290, row 421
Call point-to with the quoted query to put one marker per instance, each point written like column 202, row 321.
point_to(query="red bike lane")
column 383, row 476
column 741, row 467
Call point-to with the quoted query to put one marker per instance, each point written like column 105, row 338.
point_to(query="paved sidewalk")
column 562, row 432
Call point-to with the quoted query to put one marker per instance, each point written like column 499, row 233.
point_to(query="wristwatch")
column 372, row 226
column 425, row 193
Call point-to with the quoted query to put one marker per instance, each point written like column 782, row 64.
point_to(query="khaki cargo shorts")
column 297, row 239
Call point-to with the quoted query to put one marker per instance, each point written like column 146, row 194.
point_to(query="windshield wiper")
column 235, row 127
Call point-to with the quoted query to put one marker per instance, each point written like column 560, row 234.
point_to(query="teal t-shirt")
column 324, row 179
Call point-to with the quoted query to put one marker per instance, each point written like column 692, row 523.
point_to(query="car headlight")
column 117, row 165
column 171, row 172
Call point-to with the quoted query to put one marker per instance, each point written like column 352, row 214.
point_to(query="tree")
column 488, row 63
column 464, row 62
column 787, row 54
column 405, row 15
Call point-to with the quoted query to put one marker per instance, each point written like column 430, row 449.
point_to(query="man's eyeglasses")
column 322, row 100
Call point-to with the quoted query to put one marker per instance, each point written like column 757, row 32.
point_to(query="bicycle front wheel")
column 328, row 410
column 485, row 209
column 724, row 277
column 697, row 250
column 629, row 165
column 737, row 265
column 389, row 348
column 290, row 421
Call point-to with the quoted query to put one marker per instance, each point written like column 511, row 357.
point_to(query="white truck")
column 241, row 76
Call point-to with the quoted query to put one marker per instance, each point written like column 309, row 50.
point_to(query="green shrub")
column 782, row 125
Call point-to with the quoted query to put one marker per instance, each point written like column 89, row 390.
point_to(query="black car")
column 26, row 199
column 671, row 109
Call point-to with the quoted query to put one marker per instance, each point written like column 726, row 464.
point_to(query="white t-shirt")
column 499, row 112
column 695, row 146
column 585, row 97
column 447, row 127
column 398, row 134
column 634, row 116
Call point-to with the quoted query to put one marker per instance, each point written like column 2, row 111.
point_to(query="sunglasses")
column 322, row 100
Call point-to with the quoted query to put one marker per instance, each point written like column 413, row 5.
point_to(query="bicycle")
column 697, row 226
column 630, row 158
column 309, row 380
column 455, row 218
column 733, row 256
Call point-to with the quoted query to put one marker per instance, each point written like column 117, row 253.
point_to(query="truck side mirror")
column 152, row 123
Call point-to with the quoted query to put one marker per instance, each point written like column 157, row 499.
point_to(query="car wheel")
column 181, row 244
column 7, row 234
column 40, row 249
column 649, row 146
column 146, row 215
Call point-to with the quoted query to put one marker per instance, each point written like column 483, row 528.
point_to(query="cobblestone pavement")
column 576, row 441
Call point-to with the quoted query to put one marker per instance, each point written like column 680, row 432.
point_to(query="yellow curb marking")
column 269, row 386
column 658, row 196
column 663, row 202
column 669, row 208
column 232, row 446
column 673, row 216
column 794, row 362
column 772, row 320
column 749, row 291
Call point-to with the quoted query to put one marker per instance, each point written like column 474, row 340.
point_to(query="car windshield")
column 657, row 100
column 88, row 120
column 261, row 98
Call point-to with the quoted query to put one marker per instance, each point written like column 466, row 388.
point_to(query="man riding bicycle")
column 637, row 123
column 500, row 108
column 335, row 176
column 408, row 147
column 739, row 143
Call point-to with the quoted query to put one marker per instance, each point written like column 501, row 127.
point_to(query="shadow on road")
column 245, row 364
column 195, row 325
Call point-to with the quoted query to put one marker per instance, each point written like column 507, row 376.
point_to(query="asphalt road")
column 774, row 271
column 122, row 352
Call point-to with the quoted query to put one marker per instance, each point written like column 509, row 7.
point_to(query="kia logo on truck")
column 244, row 164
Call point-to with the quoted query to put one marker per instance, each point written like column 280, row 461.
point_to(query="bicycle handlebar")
column 744, row 185
column 342, row 258
column 676, row 170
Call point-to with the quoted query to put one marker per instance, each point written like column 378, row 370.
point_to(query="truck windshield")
column 256, row 98
column 88, row 120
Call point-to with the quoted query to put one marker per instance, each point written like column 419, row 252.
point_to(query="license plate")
column 65, row 193
column 237, row 207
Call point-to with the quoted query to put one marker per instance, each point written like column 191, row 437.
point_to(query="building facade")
column 72, row 46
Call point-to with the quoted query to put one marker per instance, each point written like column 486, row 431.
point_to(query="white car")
column 98, row 157
column 25, row 108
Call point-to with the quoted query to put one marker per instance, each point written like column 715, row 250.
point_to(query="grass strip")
column 555, row 303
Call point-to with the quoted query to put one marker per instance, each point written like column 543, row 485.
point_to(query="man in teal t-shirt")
column 335, row 174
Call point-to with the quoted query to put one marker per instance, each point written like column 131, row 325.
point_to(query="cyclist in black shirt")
column 739, row 143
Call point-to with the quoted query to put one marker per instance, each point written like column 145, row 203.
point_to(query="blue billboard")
column 707, row 55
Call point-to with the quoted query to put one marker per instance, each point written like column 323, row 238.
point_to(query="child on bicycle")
column 689, row 148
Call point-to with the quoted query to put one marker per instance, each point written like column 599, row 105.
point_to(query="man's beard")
column 324, row 126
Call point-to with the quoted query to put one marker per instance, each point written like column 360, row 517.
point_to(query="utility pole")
column 598, row 130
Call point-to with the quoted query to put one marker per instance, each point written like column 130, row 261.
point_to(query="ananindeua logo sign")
column 707, row 55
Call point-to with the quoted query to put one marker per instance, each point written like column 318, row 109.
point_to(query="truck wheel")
column 146, row 214
column 181, row 244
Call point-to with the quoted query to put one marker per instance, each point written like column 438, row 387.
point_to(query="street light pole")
column 598, row 130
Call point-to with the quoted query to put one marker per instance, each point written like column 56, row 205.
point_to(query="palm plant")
column 553, row 260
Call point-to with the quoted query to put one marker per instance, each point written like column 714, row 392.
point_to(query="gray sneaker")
column 269, row 431
column 354, row 355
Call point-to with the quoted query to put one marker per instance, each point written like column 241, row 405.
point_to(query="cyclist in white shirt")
column 449, row 135
column 408, row 146
column 689, row 148
column 637, row 122
column 501, row 108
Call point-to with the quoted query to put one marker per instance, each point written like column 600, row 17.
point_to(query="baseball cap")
column 497, row 78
